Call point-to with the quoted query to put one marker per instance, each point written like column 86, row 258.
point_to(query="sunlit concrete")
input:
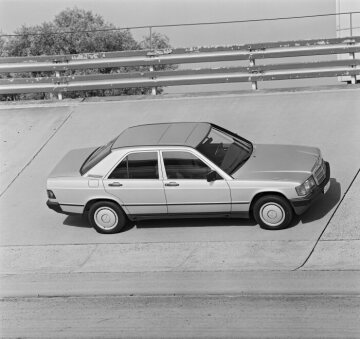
column 180, row 283
column 189, row 316
column 22, row 134
column 339, row 246
column 329, row 119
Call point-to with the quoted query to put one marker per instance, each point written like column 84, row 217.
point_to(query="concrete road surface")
column 204, row 316
column 194, row 278
column 37, row 239
column 298, row 304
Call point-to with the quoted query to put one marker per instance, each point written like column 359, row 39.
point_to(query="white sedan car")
column 186, row 169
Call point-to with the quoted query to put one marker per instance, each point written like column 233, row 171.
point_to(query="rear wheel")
column 273, row 212
column 107, row 217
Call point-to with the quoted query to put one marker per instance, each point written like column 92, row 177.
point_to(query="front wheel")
column 107, row 217
column 273, row 212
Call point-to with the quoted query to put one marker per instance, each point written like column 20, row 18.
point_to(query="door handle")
column 116, row 184
column 172, row 184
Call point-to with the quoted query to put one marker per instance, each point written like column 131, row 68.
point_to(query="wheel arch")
column 258, row 195
column 95, row 200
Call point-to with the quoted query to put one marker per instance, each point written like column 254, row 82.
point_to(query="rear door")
column 136, row 182
column 186, row 188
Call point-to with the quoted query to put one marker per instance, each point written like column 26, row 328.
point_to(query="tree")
column 3, row 51
column 70, row 20
column 78, row 20
column 27, row 43
column 41, row 40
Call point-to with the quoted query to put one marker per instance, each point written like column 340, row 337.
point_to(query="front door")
column 135, row 181
column 186, row 188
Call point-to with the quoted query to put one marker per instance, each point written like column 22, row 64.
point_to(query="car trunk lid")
column 70, row 164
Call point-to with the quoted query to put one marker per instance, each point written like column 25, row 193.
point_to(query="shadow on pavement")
column 322, row 206
column 203, row 222
column 79, row 221
column 76, row 221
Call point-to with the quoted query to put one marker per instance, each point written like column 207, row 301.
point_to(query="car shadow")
column 76, row 221
column 322, row 206
column 81, row 222
column 195, row 222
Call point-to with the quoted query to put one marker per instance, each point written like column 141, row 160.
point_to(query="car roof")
column 165, row 134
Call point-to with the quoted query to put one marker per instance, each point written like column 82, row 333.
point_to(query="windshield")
column 227, row 151
column 95, row 157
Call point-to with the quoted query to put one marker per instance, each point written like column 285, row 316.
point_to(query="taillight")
column 51, row 194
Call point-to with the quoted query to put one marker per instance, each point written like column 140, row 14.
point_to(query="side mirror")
column 211, row 176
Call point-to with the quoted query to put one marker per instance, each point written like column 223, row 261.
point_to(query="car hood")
column 279, row 162
column 70, row 164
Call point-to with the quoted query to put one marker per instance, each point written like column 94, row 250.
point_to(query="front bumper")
column 300, row 205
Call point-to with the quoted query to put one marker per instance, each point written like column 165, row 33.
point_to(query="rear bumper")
column 300, row 205
column 67, row 209
column 55, row 206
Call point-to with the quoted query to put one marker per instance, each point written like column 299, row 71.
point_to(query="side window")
column 143, row 165
column 184, row 165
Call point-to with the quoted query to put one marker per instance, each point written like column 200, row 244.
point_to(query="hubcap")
column 272, row 214
column 105, row 218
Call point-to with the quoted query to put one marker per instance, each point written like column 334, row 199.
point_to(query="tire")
column 273, row 212
column 107, row 217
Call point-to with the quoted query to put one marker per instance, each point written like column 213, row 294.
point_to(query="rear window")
column 95, row 157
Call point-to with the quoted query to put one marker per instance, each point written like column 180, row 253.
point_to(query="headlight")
column 306, row 187
column 318, row 162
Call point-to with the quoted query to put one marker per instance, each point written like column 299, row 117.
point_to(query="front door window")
column 184, row 165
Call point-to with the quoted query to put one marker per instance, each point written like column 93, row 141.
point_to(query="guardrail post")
column 150, row 37
column 353, row 77
column 352, row 55
column 57, row 74
column 254, row 85
column 153, row 89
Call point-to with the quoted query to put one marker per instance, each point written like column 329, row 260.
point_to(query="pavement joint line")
column 186, row 295
column 35, row 105
column 331, row 217
column 181, row 295
column 155, row 242
column 165, row 271
column 179, row 96
column 217, row 95
column 71, row 273
column 352, row 239
column 35, row 155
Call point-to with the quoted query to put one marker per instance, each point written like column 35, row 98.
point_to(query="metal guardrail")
column 253, row 73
